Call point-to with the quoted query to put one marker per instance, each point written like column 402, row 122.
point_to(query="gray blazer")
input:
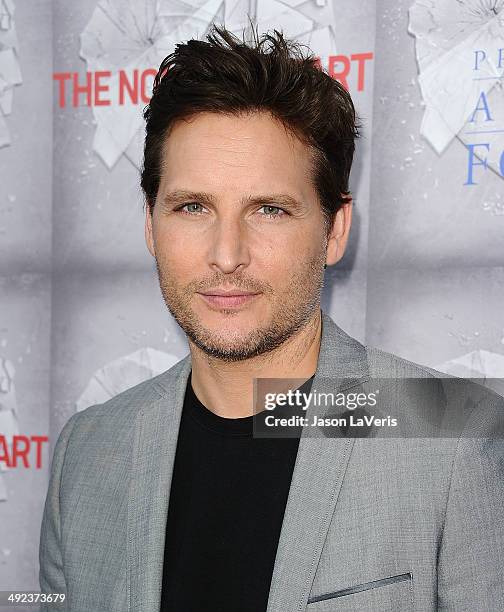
column 371, row 524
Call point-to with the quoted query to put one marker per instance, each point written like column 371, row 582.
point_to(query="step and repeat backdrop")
column 81, row 315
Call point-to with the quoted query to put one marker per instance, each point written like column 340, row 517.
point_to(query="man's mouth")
column 228, row 299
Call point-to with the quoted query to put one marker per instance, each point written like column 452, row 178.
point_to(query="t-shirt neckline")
column 233, row 427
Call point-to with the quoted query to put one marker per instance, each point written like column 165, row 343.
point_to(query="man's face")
column 236, row 210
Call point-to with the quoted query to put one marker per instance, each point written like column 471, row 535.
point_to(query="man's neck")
column 226, row 388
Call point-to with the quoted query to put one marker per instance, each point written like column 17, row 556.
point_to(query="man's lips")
column 227, row 300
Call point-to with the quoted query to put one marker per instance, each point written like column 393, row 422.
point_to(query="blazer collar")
column 316, row 481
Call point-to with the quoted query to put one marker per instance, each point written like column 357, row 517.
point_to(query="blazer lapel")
column 153, row 454
column 316, row 481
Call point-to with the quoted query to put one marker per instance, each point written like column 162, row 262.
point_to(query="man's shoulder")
column 384, row 364
column 122, row 409
column 388, row 365
column 475, row 407
column 359, row 358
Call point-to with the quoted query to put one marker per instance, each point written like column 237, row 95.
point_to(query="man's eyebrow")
column 183, row 195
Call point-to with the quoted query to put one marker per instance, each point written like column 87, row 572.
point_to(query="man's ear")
column 338, row 233
column 149, row 238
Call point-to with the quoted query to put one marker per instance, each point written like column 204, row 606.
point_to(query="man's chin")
column 221, row 342
column 234, row 345
column 234, row 338
column 235, row 328
column 227, row 352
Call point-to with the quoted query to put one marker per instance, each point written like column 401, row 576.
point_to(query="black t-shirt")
column 227, row 502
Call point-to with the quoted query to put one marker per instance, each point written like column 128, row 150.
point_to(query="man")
column 162, row 498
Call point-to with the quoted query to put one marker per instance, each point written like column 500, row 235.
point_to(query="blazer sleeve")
column 51, row 574
column 471, row 554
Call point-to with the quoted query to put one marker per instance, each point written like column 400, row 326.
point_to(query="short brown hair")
column 224, row 74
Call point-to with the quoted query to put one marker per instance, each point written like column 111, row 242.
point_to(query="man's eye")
column 190, row 206
column 277, row 212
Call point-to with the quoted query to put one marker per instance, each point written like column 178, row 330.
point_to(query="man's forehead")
column 218, row 166
column 245, row 130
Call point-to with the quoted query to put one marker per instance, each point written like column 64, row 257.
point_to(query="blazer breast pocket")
column 388, row 594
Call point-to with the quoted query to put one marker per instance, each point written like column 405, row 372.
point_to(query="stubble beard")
column 292, row 312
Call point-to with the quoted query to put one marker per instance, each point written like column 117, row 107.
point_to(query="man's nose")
column 229, row 247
